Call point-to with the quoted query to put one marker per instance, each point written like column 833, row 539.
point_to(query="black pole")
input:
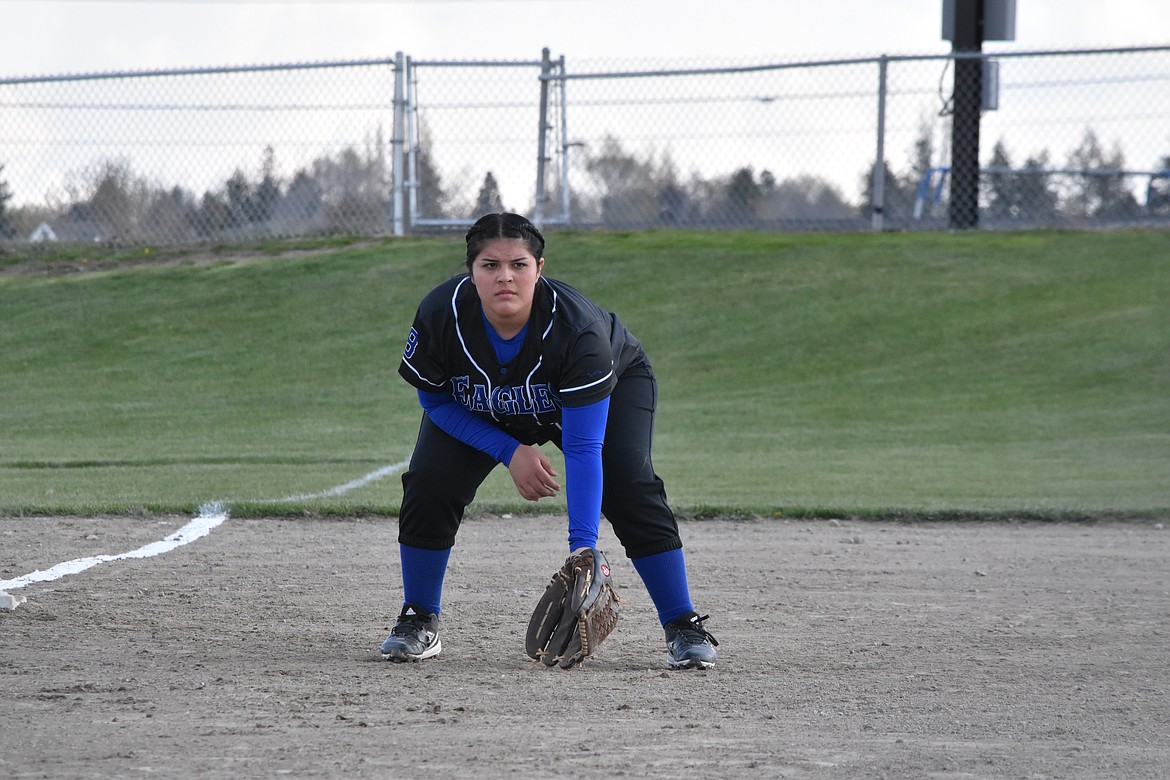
column 968, row 102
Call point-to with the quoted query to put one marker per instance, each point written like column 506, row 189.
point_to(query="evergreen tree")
column 1021, row 194
column 239, row 198
column 5, row 196
column 1100, row 191
column 743, row 197
column 489, row 200
column 1037, row 194
column 1157, row 192
column 267, row 193
column 1003, row 196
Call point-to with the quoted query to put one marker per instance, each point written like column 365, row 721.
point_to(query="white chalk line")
column 210, row 516
column 373, row 476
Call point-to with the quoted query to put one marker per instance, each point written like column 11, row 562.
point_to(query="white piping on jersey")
column 528, row 385
column 591, row 384
column 551, row 318
column 543, row 335
column 540, row 358
column 423, row 378
column 466, row 351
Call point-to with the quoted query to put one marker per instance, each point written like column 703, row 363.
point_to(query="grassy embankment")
column 875, row 375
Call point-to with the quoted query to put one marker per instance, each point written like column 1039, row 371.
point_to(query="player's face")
column 505, row 275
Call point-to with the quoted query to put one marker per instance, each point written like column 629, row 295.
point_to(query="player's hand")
column 533, row 473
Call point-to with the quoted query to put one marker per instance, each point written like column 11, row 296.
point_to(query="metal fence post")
column 566, row 196
column 542, row 139
column 398, row 158
column 412, row 143
column 878, row 195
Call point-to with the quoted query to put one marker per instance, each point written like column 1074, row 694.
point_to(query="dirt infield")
column 848, row 649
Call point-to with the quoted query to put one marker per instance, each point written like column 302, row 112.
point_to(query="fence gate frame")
column 406, row 138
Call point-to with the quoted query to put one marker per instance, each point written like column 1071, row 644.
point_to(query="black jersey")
column 572, row 355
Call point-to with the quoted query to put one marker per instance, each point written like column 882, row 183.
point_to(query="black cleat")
column 415, row 636
column 688, row 644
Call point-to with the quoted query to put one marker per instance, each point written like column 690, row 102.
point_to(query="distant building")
column 75, row 228
column 44, row 232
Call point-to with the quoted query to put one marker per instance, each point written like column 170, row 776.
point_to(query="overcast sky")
column 70, row 36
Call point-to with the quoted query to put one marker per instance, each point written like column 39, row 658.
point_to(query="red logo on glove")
column 605, row 570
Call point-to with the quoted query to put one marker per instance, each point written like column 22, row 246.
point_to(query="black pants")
column 445, row 473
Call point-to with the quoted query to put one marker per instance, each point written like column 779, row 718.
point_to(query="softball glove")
column 578, row 610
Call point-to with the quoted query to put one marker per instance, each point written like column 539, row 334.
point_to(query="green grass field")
column 935, row 374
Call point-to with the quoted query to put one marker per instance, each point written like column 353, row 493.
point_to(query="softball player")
column 505, row 359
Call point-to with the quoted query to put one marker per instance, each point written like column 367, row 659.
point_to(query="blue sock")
column 422, row 576
column 665, row 576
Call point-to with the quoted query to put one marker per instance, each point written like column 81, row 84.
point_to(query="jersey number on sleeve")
column 411, row 344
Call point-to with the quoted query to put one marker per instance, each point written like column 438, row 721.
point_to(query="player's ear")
column 539, row 266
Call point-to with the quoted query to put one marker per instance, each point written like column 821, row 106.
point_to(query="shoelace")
column 409, row 625
column 695, row 632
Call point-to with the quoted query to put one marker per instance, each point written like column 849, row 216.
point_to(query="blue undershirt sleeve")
column 582, row 435
column 453, row 418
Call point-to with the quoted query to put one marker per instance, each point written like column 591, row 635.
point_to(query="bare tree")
column 804, row 199
column 113, row 199
column 354, row 189
column 626, row 194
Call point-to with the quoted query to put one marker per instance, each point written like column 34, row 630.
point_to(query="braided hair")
column 506, row 225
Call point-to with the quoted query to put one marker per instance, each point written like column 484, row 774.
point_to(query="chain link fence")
column 201, row 155
column 395, row 146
